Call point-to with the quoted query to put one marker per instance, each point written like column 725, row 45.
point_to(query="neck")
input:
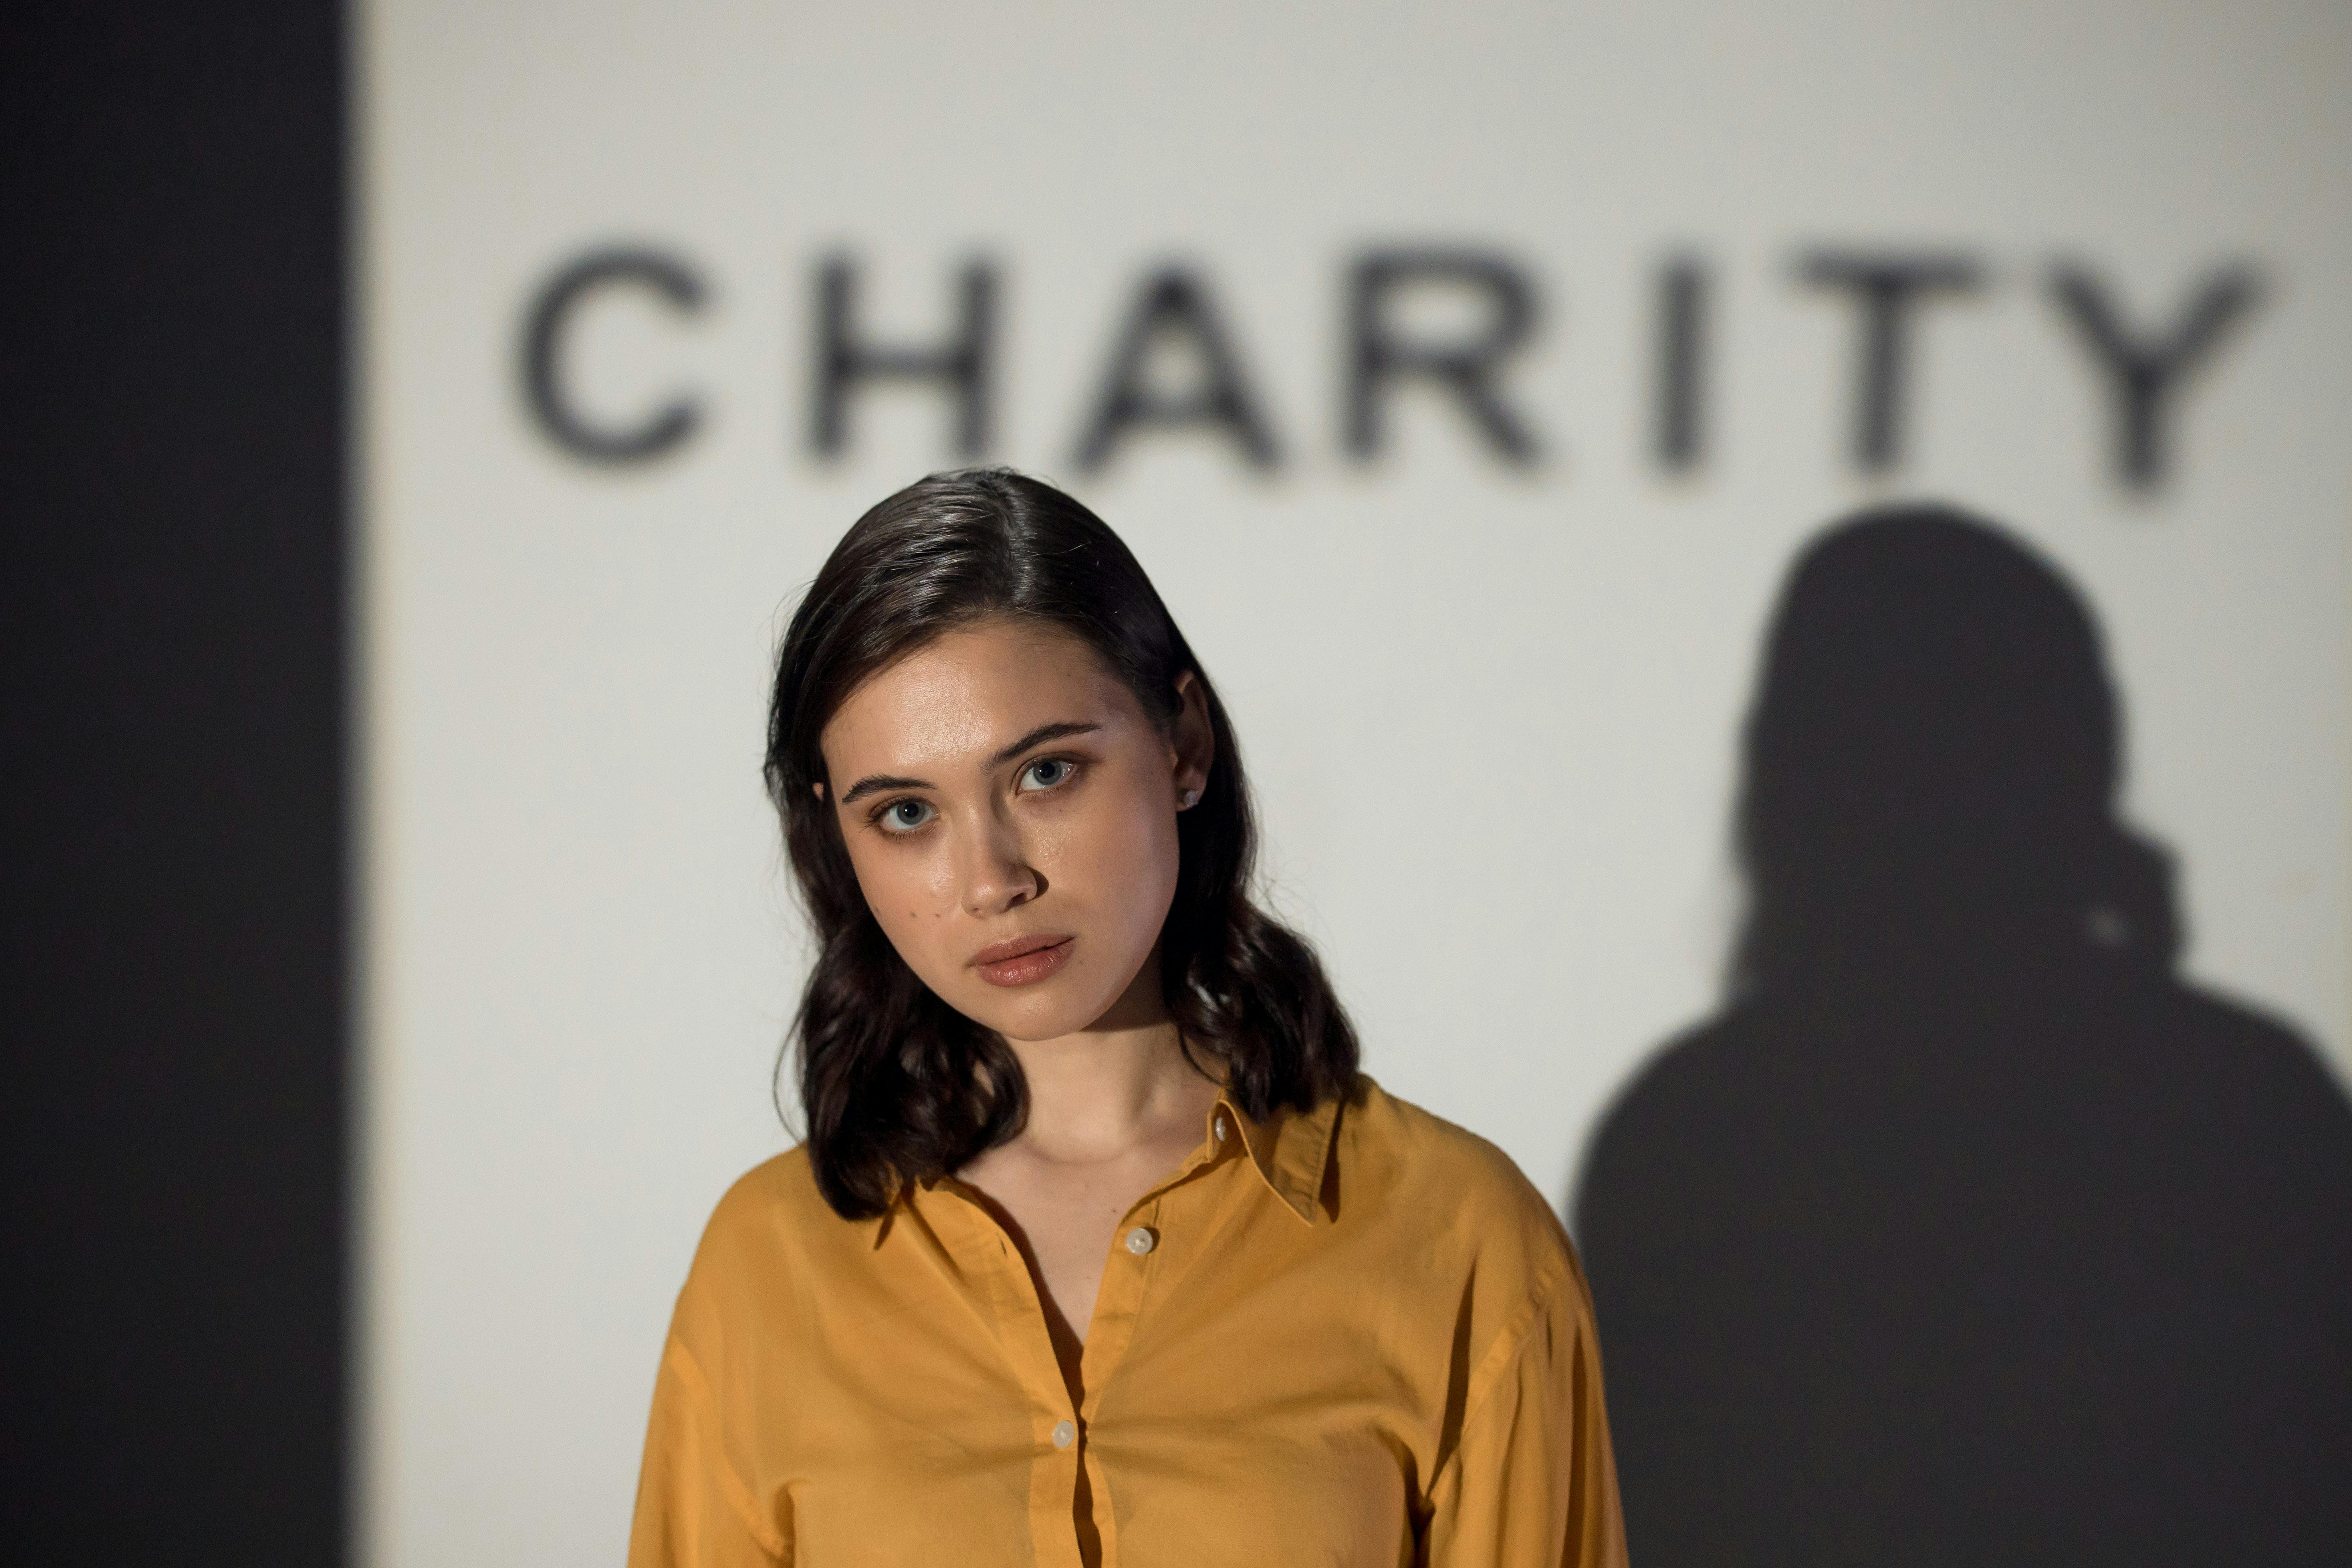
column 1095, row 1094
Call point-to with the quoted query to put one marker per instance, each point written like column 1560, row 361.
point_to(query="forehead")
column 968, row 693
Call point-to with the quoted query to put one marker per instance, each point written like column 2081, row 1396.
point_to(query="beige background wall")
column 1491, row 710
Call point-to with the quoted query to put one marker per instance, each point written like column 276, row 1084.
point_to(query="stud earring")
column 1185, row 802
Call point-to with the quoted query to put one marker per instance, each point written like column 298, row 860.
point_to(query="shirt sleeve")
column 1533, row 1483
column 693, row 1510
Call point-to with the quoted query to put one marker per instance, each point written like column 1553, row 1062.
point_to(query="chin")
column 1062, row 1002
column 1043, row 1018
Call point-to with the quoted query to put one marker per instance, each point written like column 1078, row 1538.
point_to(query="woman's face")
column 1011, row 812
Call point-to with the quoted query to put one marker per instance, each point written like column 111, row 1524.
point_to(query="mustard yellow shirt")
column 1353, row 1337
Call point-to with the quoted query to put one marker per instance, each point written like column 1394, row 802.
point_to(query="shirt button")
column 1140, row 1241
column 1064, row 1434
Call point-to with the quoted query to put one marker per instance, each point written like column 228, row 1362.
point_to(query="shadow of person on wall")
column 1967, row 1233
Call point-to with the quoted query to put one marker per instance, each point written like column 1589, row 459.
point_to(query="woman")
column 1099, row 1250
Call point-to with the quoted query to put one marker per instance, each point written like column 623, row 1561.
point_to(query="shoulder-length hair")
column 897, row 1086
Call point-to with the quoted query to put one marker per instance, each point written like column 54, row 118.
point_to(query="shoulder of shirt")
column 1454, row 1180
column 774, row 1215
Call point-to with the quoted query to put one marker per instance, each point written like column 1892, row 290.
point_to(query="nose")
column 995, row 871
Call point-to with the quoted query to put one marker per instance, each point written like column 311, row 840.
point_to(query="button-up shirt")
column 1356, row 1336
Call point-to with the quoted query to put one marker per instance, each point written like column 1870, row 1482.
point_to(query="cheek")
column 909, row 888
column 1122, row 861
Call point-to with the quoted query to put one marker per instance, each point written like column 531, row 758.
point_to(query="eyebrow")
column 874, row 783
column 1038, row 737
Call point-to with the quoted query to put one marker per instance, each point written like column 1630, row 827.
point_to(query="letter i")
column 1680, row 432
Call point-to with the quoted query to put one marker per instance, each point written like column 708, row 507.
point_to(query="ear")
column 1194, row 740
column 818, row 788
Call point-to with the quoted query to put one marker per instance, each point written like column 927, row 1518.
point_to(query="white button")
column 1064, row 1434
column 1220, row 1129
column 1140, row 1241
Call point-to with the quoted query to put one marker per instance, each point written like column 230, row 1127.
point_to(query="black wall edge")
column 173, row 1155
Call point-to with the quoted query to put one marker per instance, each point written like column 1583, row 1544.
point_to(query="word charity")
column 2140, row 362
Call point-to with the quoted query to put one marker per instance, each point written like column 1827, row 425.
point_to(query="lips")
column 1022, row 960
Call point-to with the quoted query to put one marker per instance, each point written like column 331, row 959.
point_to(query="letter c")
column 551, row 314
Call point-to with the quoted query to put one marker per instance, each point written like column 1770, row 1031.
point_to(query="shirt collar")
column 1292, row 1151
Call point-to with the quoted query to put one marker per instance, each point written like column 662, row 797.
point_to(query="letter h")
column 961, row 365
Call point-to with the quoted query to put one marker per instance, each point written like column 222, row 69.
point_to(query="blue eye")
column 905, row 815
column 1046, row 773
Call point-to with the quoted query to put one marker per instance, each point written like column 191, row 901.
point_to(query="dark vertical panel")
column 172, row 1126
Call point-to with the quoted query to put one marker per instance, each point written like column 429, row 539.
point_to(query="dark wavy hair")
column 897, row 1086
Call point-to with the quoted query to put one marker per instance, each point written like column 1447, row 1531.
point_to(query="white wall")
column 1491, row 714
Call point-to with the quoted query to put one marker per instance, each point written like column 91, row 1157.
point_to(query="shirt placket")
column 1058, row 1430
column 1001, row 1281
column 1130, row 1269
column 1139, row 1256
